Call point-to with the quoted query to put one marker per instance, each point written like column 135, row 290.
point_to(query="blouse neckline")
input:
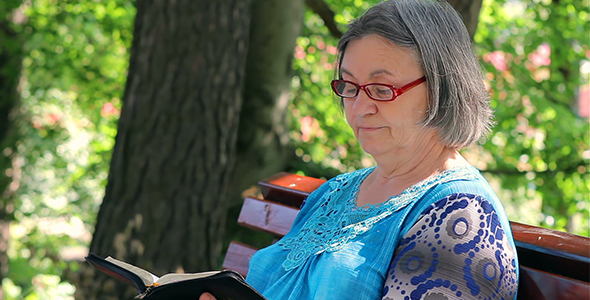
column 455, row 172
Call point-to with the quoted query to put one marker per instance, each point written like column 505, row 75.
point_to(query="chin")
column 375, row 151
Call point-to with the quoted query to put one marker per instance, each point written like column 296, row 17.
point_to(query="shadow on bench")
column 553, row 264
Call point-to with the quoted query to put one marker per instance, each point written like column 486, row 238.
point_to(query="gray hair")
column 459, row 105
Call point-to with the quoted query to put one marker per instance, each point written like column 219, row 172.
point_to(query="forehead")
column 374, row 55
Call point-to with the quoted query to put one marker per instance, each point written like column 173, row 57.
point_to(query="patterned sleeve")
column 456, row 250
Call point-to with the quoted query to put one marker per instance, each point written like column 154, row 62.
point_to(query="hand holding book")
column 207, row 296
column 221, row 285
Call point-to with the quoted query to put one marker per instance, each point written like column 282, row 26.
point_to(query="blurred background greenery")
column 75, row 56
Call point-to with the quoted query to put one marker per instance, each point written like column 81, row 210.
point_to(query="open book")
column 224, row 285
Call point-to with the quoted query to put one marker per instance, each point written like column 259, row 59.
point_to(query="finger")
column 207, row 296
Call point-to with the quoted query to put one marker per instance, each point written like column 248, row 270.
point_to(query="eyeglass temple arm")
column 412, row 84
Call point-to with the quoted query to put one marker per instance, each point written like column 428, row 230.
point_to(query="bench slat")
column 237, row 257
column 288, row 188
column 551, row 239
column 539, row 285
column 267, row 216
column 552, row 251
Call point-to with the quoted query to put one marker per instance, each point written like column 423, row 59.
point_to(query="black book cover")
column 224, row 285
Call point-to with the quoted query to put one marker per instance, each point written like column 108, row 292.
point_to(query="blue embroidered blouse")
column 443, row 237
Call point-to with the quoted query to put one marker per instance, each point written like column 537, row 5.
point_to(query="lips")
column 369, row 128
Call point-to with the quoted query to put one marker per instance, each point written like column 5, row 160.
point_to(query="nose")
column 363, row 105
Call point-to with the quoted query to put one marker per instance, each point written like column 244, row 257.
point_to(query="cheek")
column 422, row 112
column 422, row 102
column 347, row 105
column 418, row 110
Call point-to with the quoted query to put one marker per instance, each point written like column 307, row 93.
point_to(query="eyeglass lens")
column 375, row 91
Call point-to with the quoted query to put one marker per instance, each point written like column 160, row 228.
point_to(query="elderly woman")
column 422, row 223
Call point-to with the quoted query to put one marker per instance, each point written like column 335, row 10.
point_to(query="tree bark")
column 10, row 70
column 322, row 9
column 469, row 10
column 165, row 202
column 263, row 136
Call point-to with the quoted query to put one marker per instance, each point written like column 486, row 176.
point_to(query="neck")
column 398, row 172
column 403, row 167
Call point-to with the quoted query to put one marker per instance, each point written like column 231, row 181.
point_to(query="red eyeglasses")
column 375, row 91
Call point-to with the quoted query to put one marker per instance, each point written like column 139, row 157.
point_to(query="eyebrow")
column 343, row 70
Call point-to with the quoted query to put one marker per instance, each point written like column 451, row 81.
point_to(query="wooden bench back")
column 553, row 264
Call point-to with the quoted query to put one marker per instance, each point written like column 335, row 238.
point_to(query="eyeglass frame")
column 396, row 91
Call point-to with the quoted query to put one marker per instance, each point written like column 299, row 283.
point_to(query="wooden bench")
column 553, row 264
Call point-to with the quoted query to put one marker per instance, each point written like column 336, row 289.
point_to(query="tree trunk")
column 164, row 207
column 469, row 10
column 10, row 69
column 263, row 136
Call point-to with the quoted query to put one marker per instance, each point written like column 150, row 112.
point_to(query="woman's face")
column 385, row 128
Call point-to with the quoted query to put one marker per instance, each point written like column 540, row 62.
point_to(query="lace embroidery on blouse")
column 339, row 219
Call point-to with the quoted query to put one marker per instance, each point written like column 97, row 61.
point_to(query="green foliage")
column 74, row 72
column 319, row 132
column 533, row 53
column 537, row 156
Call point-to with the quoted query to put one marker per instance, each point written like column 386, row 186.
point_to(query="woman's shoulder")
column 468, row 184
column 464, row 180
column 455, row 181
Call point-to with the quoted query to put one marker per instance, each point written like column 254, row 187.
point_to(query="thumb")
column 207, row 296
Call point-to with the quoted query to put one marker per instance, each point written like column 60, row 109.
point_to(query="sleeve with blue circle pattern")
column 456, row 250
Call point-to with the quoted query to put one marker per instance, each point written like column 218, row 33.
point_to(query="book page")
column 147, row 277
column 175, row 277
